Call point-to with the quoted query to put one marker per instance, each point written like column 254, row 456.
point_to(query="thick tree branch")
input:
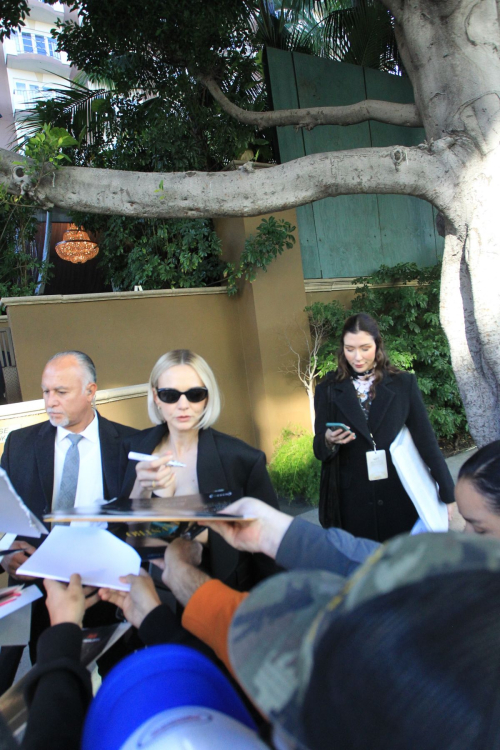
column 244, row 192
column 369, row 109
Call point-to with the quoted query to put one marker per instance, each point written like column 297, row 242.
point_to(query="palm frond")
column 73, row 106
column 362, row 35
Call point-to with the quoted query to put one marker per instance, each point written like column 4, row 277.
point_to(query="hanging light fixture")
column 76, row 245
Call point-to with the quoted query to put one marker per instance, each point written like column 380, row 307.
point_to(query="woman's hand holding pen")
column 155, row 477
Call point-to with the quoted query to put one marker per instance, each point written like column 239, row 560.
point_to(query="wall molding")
column 345, row 284
column 37, row 407
column 58, row 299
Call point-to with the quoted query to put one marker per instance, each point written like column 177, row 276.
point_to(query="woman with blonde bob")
column 183, row 404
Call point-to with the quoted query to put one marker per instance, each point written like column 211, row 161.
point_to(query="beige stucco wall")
column 271, row 310
column 126, row 334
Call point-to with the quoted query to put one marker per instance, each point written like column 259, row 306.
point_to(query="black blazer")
column 28, row 459
column 224, row 462
column 375, row 510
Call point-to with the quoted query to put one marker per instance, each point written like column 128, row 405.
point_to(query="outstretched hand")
column 65, row 602
column 137, row 603
column 264, row 534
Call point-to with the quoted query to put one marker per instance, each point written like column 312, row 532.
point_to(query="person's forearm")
column 272, row 533
column 209, row 613
column 184, row 580
column 307, row 546
column 57, row 690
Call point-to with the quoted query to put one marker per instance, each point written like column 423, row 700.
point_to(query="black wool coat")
column 348, row 499
column 227, row 463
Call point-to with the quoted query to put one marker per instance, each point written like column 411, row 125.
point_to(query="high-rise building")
column 30, row 64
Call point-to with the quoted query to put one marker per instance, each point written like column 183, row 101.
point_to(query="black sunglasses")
column 172, row 395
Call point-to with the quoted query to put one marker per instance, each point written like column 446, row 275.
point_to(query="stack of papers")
column 99, row 557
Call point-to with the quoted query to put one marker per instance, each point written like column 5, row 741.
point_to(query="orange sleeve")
column 209, row 613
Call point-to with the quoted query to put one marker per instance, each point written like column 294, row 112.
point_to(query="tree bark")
column 369, row 109
column 450, row 50
column 244, row 192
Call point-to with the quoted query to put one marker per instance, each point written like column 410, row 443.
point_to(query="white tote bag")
column 418, row 482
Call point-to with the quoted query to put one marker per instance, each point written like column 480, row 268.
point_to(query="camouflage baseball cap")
column 275, row 630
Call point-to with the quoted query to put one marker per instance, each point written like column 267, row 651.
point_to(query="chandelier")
column 76, row 245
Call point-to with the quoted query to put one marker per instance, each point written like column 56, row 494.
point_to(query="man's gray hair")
column 83, row 360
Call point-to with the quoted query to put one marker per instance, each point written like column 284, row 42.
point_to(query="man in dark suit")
column 34, row 458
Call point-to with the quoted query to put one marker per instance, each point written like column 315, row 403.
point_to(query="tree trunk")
column 460, row 310
column 450, row 49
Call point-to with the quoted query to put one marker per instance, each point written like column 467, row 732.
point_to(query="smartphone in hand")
column 338, row 426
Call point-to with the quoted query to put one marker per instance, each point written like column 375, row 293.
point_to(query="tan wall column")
column 270, row 308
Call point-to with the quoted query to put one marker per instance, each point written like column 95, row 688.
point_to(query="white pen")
column 146, row 457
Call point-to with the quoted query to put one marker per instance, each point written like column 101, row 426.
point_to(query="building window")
column 40, row 43
column 27, row 93
column 26, row 42
column 41, row 47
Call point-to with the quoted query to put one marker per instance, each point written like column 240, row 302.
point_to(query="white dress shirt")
column 90, row 486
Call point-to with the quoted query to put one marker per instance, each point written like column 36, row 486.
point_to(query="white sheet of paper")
column 6, row 542
column 98, row 556
column 15, row 517
column 28, row 595
column 15, row 618
column 418, row 482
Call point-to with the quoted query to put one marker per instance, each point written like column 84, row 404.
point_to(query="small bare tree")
column 305, row 362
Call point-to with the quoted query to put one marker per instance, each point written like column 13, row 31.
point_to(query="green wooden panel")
column 291, row 145
column 347, row 227
column 406, row 223
column 350, row 235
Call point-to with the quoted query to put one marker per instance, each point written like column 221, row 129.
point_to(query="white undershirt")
column 90, row 485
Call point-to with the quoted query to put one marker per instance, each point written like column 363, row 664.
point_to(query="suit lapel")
column 347, row 402
column 211, row 475
column 380, row 404
column 110, row 454
column 44, row 452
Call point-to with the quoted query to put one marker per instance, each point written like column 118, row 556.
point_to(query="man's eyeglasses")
column 172, row 395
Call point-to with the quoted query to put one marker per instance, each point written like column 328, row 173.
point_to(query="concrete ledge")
column 345, row 283
column 58, row 299
column 37, row 407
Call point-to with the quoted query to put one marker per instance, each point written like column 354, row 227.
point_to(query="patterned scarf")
column 363, row 391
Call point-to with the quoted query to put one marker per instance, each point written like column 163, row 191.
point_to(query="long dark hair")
column 355, row 324
column 482, row 470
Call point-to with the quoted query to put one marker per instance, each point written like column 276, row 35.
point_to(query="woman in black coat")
column 375, row 400
column 183, row 403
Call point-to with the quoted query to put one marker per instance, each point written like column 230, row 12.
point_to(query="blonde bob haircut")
column 203, row 370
